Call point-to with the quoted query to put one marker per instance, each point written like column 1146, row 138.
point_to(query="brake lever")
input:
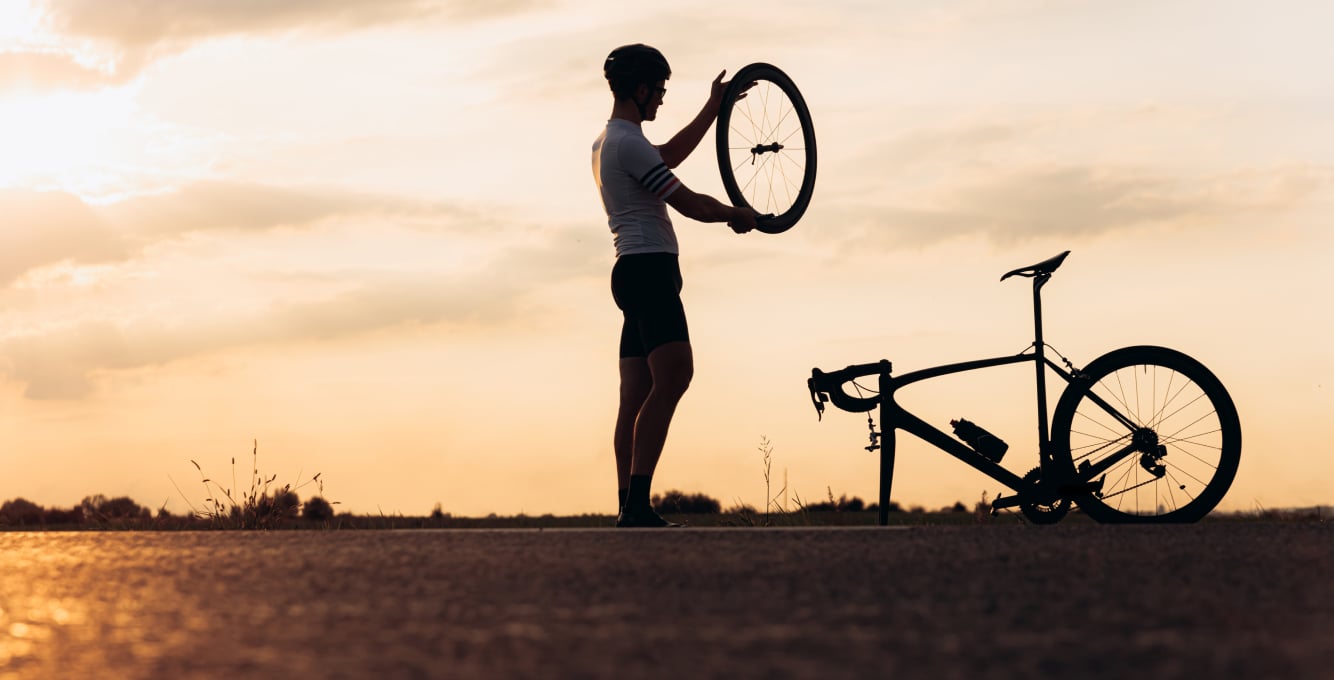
column 817, row 398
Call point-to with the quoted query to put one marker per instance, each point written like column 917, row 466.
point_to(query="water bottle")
column 989, row 445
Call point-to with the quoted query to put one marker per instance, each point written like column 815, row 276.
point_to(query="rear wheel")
column 1156, row 427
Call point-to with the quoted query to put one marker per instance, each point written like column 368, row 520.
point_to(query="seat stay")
column 1111, row 410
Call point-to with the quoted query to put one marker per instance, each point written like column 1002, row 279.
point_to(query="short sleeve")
column 643, row 162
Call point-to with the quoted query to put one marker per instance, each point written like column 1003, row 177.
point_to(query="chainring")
column 1043, row 513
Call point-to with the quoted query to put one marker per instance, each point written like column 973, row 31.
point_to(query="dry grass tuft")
column 264, row 505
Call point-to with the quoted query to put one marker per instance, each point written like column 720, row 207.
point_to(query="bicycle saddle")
column 1043, row 268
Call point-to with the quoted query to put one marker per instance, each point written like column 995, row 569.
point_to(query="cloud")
column 216, row 205
column 61, row 358
column 42, row 228
column 46, row 228
column 144, row 24
column 1083, row 201
column 133, row 33
column 62, row 363
column 47, row 70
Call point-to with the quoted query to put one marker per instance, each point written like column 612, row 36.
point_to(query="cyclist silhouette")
column 636, row 182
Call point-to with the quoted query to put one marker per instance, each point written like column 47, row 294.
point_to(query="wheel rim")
column 766, row 147
column 1180, row 426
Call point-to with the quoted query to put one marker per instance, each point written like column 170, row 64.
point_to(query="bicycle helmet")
column 629, row 66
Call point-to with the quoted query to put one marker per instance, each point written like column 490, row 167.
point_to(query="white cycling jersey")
column 634, row 183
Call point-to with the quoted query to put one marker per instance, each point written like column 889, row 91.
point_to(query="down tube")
column 910, row 423
column 933, row 436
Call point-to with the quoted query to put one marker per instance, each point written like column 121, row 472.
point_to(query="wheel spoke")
column 1122, row 399
column 1183, row 471
column 750, row 143
column 1175, row 435
column 1103, row 425
column 1198, row 459
column 1179, row 441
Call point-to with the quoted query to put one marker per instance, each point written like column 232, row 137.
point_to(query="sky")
column 363, row 236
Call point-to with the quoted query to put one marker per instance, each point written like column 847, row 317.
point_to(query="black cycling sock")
column 621, row 495
column 636, row 498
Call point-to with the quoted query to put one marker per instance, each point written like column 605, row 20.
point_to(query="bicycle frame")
column 893, row 417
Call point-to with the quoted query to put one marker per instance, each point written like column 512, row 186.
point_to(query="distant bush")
column 842, row 504
column 100, row 508
column 679, row 503
column 282, row 504
column 58, row 517
column 21, row 511
column 316, row 508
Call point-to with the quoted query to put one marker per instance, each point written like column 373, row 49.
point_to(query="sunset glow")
column 363, row 233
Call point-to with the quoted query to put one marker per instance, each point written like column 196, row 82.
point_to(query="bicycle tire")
column 1194, row 426
column 757, row 130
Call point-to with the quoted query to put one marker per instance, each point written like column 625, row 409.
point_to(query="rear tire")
column 1186, row 426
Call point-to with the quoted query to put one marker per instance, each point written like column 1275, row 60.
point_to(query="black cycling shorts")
column 647, row 288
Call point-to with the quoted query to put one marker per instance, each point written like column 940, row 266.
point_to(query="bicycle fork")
column 887, row 445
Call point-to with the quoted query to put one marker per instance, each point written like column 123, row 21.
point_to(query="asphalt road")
column 1214, row 600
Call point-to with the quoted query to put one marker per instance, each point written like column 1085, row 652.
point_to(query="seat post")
column 1040, row 365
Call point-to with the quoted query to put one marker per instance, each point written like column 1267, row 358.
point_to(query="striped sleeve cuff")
column 660, row 181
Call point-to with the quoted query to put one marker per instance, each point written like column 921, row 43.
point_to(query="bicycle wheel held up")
column 766, row 146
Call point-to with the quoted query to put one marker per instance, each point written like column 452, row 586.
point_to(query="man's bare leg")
column 636, row 381
column 671, row 367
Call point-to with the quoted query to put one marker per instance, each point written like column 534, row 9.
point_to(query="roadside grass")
column 264, row 505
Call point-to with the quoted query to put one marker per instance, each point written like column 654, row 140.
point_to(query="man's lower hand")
column 743, row 221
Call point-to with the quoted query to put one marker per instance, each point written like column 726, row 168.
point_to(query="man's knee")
column 634, row 393
column 636, row 381
column 673, row 367
column 676, row 381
